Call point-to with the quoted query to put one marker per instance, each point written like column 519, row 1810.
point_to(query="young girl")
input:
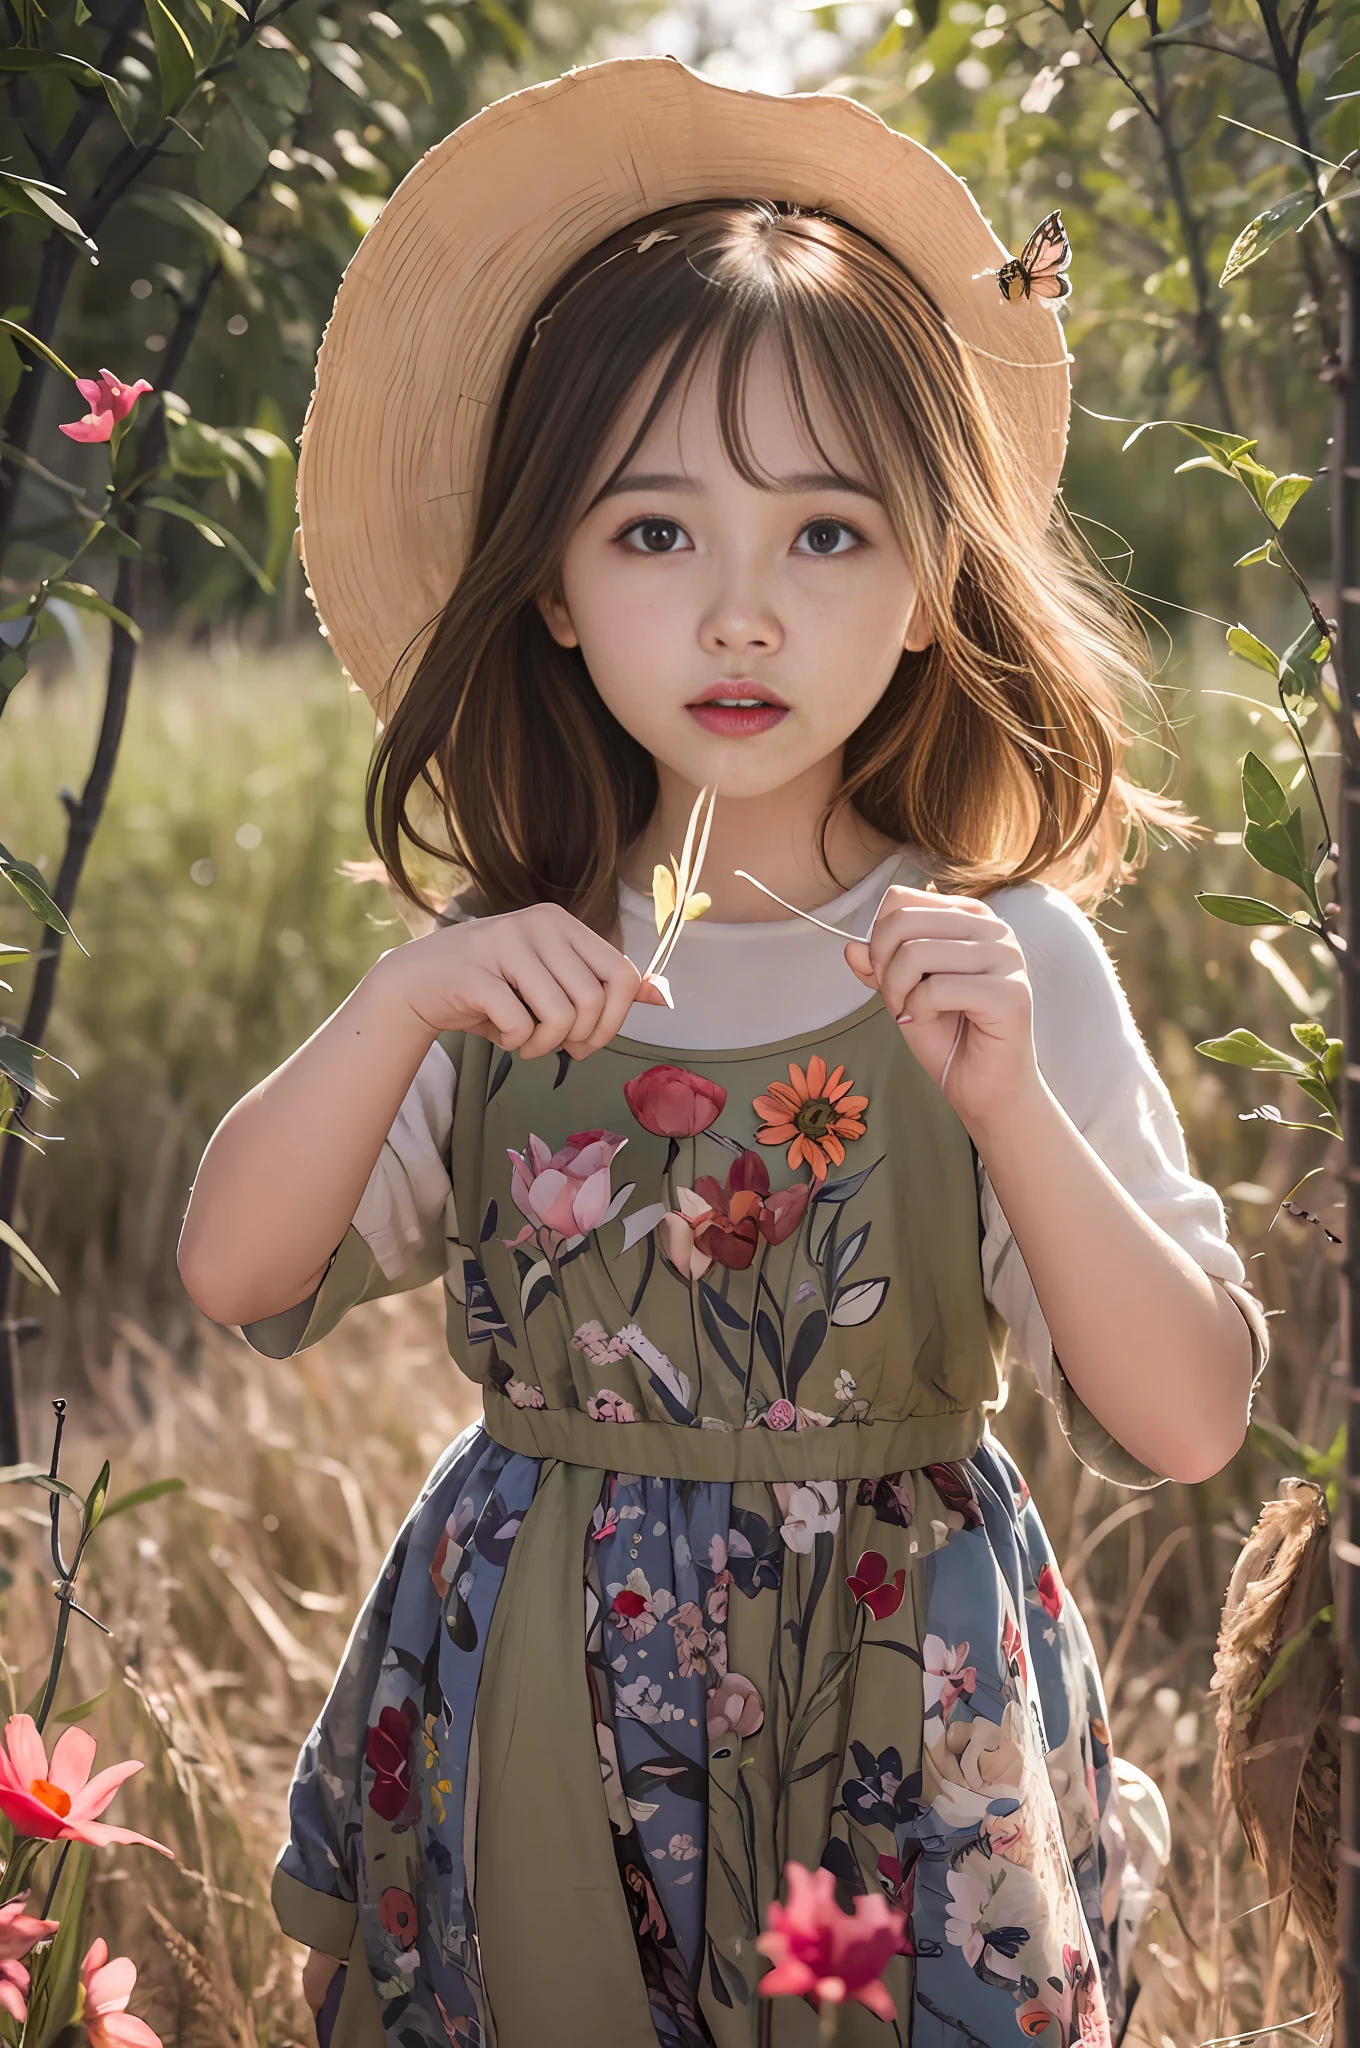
column 671, row 439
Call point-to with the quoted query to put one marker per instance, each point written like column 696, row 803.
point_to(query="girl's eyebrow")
column 801, row 482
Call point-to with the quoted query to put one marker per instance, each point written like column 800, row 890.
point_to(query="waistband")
column 665, row 1450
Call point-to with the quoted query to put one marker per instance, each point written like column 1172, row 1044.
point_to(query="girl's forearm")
column 282, row 1176
column 1157, row 1351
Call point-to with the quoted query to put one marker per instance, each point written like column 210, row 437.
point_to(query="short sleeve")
column 1092, row 1056
column 402, row 1228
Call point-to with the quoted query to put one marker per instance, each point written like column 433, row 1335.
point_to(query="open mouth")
column 738, row 709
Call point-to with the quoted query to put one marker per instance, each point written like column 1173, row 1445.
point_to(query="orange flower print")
column 813, row 1114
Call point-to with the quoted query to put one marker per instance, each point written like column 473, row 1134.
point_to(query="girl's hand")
column 530, row 981
column 953, row 975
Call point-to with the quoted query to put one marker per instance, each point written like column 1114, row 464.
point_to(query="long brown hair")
column 997, row 751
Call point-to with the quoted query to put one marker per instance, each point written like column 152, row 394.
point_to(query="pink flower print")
column 716, row 1602
column 448, row 1555
column 671, row 1102
column 809, row 1511
column 109, row 401
column 717, row 1553
column 717, row 1653
column 632, row 1615
column 681, row 1849
column 691, row 1638
column 565, row 1194
column 810, row 1418
column 524, row 1396
column 607, row 1406
column 599, row 1347
column 1051, row 1591
column 733, row 1708
column 780, row 1414
column 948, row 1679
column 59, row 1801
column 676, row 1230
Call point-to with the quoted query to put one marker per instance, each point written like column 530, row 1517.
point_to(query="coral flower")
column 59, row 1801
column 813, row 1113
column 671, row 1102
column 19, row 1930
column 743, row 1211
column 1049, row 1587
column 109, row 401
column 108, row 1987
column 872, row 1588
column 824, row 1955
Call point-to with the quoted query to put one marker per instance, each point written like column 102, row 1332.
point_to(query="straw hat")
column 440, row 290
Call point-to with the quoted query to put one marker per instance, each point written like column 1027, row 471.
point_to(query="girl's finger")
column 585, row 990
column 509, row 1024
column 994, row 1003
column 911, row 964
column 552, row 1009
column 911, row 927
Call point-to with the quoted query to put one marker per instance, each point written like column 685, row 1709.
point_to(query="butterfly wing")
column 1046, row 256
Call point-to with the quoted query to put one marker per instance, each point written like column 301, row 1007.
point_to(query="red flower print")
column 628, row 1603
column 742, row 1212
column 1049, row 1587
column 955, row 1489
column 397, row 1911
column 813, row 1113
column 873, row 1589
column 1013, row 1649
column 389, row 1753
column 670, row 1102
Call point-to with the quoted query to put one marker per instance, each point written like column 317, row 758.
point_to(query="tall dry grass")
column 230, row 1604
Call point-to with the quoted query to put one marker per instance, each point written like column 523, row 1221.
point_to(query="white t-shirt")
column 738, row 985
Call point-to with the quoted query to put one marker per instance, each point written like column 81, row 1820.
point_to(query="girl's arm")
column 284, row 1171
column 1158, row 1351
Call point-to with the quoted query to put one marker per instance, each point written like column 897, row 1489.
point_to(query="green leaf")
column 1287, row 1652
column 1247, row 647
column 34, row 1475
column 174, row 57
column 1311, row 1037
column 1245, row 910
column 25, row 878
column 1224, row 449
column 1276, row 849
column 181, row 208
column 57, row 64
column 31, row 341
column 95, row 1499
column 17, row 1058
column 39, row 202
column 154, row 1489
column 87, row 599
column 1242, row 1048
column 1263, row 797
column 1332, row 1060
column 1257, row 236
column 56, row 1992
column 1283, row 496
column 1255, row 555
column 1317, row 1091
column 28, row 1259
column 1300, row 665
column 13, row 669
column 214, row 533
column 82, row 1709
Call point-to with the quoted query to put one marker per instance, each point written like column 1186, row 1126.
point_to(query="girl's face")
column 740, row 633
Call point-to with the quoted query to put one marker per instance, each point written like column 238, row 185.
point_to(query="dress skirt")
column 585, row 1719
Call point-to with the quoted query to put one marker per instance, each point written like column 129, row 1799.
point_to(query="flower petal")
column 816, row 1075
column 96, row 426
column 125, row 2030
column 92, row 1798
column 108, row 1989
column 29, row 1816
column 25, row 1749
column 71, row 1760
column 100, row 1836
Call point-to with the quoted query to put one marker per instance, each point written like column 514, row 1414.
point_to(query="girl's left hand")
column 953, row 975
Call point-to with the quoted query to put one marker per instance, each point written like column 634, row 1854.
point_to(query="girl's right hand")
column 531, row 981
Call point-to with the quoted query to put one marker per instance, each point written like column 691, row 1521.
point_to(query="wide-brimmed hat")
column 432, row 306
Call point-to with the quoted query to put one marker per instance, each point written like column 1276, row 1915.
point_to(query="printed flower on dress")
column 824, row 1955
column 742, row 1211
column 388, row 1748
column 880, row 1796
column 809, row 1510
column 733, row 1707
column 1049, row 1587
column 632, row 1614
column 671, row 1102
column 607, row 1406
column 691, row 1638
column 872, row 1588
column 598, row 1346
column 948, row 1675
column 1013, row 1650
column 780, row 1414
column 397, row 1912
column 523, row 1395
column 955, row 1489
column 682, row 1849
column 565, row 1194
column 813, row 1113
column 892, row 1498
column 969, row 1923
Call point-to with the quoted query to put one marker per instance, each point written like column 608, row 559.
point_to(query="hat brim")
column 435, row 300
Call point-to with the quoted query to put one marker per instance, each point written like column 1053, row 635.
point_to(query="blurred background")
column 224, row 920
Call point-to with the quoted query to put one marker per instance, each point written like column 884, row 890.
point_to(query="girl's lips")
column 737, row 721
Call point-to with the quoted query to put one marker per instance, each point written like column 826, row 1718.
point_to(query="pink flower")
column 673, row 1103
column 564, row 1193
column 733, row 1708
column 108, row 400
column 523, row 1395
column 948, row 1677
column 19, row 1930
column 607, row 1406
column 59, row 1802
column 872, row 1588
column 780, row 1415
column 1013, row 1649
column 1049, row 1587
column 108, row 1987
column 824, row 1955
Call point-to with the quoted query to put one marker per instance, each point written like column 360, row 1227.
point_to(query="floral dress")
column 733, row 1572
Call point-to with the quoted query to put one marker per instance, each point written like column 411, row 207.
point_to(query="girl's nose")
column 740, row 621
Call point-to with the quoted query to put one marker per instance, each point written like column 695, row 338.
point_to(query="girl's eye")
column 655, row 536
column 829, row 537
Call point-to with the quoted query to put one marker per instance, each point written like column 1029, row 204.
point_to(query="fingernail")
column 905, row 1017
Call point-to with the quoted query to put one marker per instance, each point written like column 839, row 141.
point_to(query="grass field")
column 221, row 934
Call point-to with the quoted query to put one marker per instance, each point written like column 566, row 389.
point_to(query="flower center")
column 51, row 1796
column 815, row 1118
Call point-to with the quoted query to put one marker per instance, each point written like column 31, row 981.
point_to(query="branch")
column 1172, row 39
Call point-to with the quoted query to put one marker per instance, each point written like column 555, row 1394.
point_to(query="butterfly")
column 1038, row 271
